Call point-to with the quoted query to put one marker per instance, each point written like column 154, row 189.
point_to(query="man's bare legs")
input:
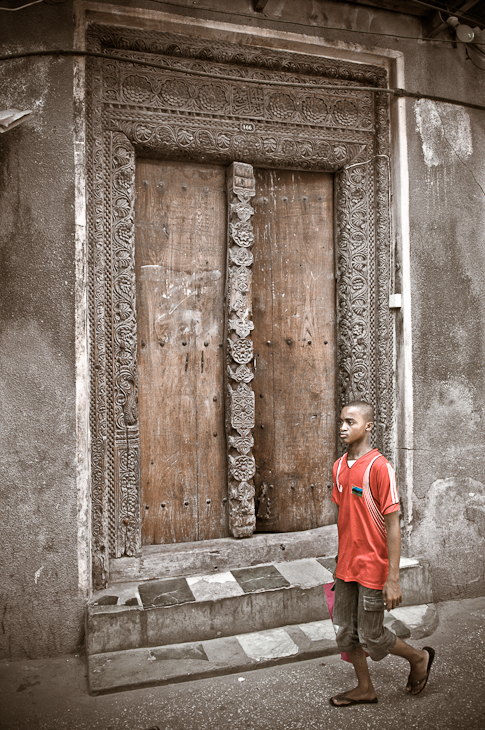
column 365, row 689
column 418, row 660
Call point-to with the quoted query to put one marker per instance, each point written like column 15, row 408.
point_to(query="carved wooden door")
column 294, row 343
column 180, row 219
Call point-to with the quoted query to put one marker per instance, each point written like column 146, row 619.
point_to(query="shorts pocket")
column 373, row 603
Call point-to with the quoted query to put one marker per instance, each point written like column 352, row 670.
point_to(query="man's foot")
column 420, row 671
column 354, row 697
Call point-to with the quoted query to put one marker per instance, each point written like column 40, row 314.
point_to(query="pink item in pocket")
column 329, row 589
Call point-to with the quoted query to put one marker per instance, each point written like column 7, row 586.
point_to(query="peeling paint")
column 37, row 574
column 445, row 132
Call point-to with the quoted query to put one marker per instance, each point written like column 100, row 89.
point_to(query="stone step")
column 209, row 556
column 206, row 607
column 150, row 666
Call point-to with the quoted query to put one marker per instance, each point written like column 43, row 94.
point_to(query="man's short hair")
column 365, row 408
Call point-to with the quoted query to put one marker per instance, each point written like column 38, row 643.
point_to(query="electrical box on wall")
column 395, row 301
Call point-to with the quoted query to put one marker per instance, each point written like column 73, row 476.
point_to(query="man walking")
column 367, row 572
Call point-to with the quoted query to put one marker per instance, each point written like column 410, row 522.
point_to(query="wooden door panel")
column 180, row 219
column 294, row 344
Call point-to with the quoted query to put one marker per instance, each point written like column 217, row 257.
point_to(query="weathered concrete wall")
column 41, row 613
column 447, row 146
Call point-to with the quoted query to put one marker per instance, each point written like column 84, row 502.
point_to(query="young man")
column 367, row 572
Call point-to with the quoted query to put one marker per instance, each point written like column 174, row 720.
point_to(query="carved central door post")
column 240, row 396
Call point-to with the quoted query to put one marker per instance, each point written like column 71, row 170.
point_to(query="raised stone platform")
column 152, row 621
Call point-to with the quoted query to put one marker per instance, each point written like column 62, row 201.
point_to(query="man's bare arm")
column 392, row 589
column 335, row 571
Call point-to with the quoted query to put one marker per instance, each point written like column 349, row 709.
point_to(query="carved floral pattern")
column 241, row 257
column 242, row 233
column 124, row 348
column 243, row 327
column 242, row 467
column 240, row 400
column 241, row 350
column 242, row 444
column 277, row 145
column 242, row 374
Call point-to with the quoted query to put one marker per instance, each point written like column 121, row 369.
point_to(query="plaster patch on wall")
column 451, row 407
column 450, row 535
column 445, row 132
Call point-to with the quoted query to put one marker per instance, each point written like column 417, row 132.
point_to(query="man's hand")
column 392, row 593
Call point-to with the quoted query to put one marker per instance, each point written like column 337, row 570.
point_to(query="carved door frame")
column 136, row 110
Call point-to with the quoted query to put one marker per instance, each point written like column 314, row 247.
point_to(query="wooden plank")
column 210, row 190
column 180, row 258
column 294, row 343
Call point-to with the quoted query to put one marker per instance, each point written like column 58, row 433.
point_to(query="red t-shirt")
column 363, row 498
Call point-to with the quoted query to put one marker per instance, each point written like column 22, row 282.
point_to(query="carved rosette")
column 240, row 405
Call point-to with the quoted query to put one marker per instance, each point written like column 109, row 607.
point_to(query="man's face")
column 353, row 425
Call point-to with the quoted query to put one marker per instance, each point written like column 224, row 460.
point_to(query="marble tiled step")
column 207, row 607
column 144, row 667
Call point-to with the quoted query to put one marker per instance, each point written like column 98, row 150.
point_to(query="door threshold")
column 212, row 556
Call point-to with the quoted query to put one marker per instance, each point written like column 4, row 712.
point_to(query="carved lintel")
column 240, row 405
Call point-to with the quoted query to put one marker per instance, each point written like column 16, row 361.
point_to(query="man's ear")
column 369, row 425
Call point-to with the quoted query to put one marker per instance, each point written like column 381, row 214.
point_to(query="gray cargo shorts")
column 358, row 619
